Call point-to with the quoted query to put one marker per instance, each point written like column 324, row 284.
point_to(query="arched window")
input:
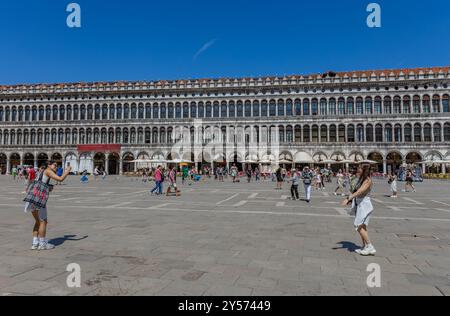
column 323, row 134
column 408, row 133
column 369, row 106
column 351, row 133
column 96, row 136
column 332, row 106
column 289, row 134
column 186, row 110
column 224, row 110
column 240, row 109
column 148, row 136
column 436, row 104
column 341, row 106
column 126, row 136
column 83, row 113
column 216, row 110
column 398, row 133
column 272, row 108
column 369, row 133
column 333, row 134
column 306, row 134
column 445, row 104
column 48, row 113
column 388, row 133
column 90, row 112
column 264, row 108
column 112, row 112
column 387, row 105
column 417, row 133
column 133, row 111
column 298, row 107
column 148, row 111
column 194, row 110
column 298, row 134
column 378, row 133
column 397, row 105
column 437, row 132
column 281, row 111
column 342, row 133
column 406, row 105
column 156, row 111
column 350, row 106
column 76, row 113
column 306, row 110
column 416, row 104
column 427, row 133
column 256, row 112
column 315, row 107
column 97, row 112
column 104, row 112
column 289, row 108
column 447, row 132
column 201, row 110
column 315, row 134
column 360, row 134
column 323, row 107
column 141, row 112
column 426, row 104
column 208, row 110
column 359, row 106
column 170, row 111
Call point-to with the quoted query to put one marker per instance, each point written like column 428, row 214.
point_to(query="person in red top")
column 31, row 177
column 158, row 182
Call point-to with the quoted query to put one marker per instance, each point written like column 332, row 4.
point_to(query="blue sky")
column 152, row 40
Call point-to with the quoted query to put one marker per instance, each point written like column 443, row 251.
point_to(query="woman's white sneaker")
column 35, row 247
column 368, row 251
column 46, row 246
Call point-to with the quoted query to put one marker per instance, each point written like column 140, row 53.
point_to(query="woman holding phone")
column 38, row 211
column 361, row 203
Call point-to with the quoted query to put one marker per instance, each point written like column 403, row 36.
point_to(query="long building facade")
column 393, row 117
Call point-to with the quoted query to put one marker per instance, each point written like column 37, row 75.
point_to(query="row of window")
column 306, row 107
column 290, row 134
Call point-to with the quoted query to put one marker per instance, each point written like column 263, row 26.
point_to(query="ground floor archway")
column 42, row 160
column 3, row 163
column 28, row 160
column 113, row 164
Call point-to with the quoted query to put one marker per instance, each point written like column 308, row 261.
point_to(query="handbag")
column 38, row 193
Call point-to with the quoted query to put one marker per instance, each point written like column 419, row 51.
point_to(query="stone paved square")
column 223, row 239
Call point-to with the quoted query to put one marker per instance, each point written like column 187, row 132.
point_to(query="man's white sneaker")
column 46, row 246
column 368, row 251
column 35, row 247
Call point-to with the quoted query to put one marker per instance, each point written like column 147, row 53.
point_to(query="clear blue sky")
column 151, row 40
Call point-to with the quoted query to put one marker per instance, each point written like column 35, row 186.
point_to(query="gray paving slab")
column 130, row 243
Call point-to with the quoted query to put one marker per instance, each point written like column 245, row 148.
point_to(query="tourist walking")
column 158, row 177
column 307, row 177
column 14, row 173
column 172, row 177
column 295, row 184
column 362, row 205
column 249, row 174
column 279, row 178
column 234, row 173
column 410, row 181
column 340, row 182
column 393, row 183
column 36, row 203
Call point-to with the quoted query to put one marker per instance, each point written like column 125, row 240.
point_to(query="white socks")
column 35, row 240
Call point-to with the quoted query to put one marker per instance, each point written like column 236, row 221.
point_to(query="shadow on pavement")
column 61, row 240
column 351, row 247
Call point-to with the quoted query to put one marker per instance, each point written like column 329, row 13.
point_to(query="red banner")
column 99, row 148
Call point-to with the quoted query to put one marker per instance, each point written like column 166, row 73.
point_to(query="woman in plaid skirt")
column 40, row 213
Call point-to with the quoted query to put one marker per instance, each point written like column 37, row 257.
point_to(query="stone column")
column 120, row 167
column 384, row 166
column 8, row 166
column 107, row 164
